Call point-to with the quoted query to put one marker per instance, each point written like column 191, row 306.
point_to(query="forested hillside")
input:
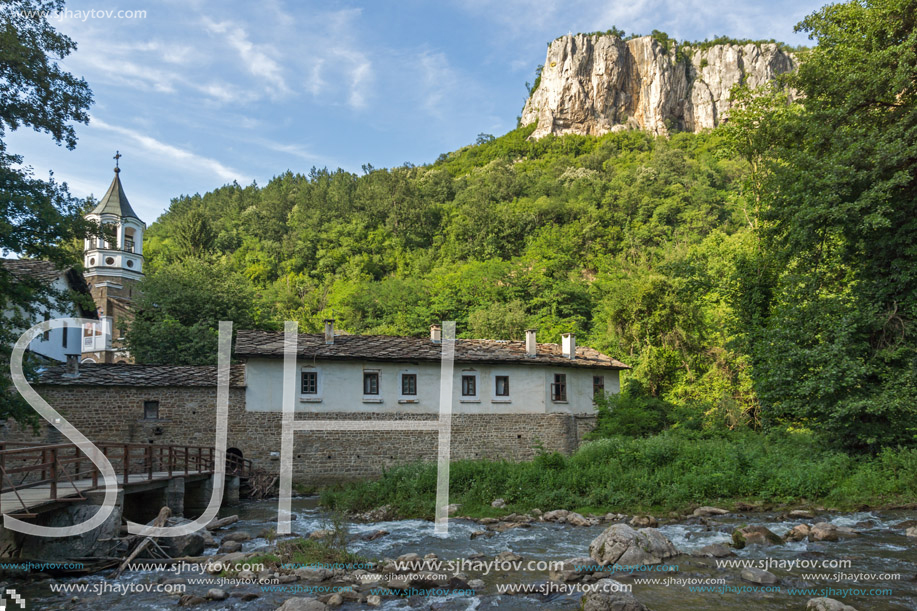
column 761, row 274
column 624, row 239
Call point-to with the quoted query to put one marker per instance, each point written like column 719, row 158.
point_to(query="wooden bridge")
column 36, row 477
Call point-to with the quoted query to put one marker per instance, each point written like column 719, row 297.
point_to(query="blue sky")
column 198, row 94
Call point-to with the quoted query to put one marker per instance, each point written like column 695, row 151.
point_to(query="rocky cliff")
column 593, row 84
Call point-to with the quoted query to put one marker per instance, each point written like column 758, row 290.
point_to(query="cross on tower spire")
column 116, row 158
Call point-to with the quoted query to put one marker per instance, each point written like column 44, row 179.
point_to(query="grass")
column 666, row 472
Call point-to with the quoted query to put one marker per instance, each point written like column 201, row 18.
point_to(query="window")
column 151, row 410
column 309, row 383
column 598, row 386
column 559, row 387
column 409, row 384
column 469, row 385
column 370, row 383
column 501, row 386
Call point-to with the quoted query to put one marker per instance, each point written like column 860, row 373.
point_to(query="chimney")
column 531, row 348
column 436, row 334
column 329, row 330
column 73, row 365
column 569, row 345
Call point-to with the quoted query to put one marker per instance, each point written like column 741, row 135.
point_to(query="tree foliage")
column 38, row 218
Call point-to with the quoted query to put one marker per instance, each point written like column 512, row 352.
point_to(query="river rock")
column 622, row 544
column 228, row 547
column 313, row 573
column 703, row 512
column 191, row 600
column 217, row 594
column 453, row 508
column 568, row 572
column 246, row 575
column 715, row 550
column 507, row 556
column 498, row 504
column 482, row 533
column 321, row 533
column 302, row 604
column 644, row 522
column 759, row 576
column 800, row 532
column 610, row 601
column 335, row 600
column 801, row 514
column 536, row 512
column 754, row 535
column 575, row 519
column 824, row 531
column 186, row 545
column 558, row 515
column 477, row 584
column 375, row 535
column 373, row 600
column 239, row 536
column 827, row 604
column 911, row 532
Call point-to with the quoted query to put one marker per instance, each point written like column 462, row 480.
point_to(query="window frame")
column 598, row 389
column 473, row 375
column 494, row 382
column 375, row 397
column 147, row 403
column 559, row 388
column 402, row 396
column 315, row 397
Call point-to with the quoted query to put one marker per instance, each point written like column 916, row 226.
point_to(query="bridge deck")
column 37, row 496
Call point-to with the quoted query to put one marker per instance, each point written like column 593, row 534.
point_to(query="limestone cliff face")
column 600, row 83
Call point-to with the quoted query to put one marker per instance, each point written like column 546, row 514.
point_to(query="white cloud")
column 256, row 57
column 174, row 155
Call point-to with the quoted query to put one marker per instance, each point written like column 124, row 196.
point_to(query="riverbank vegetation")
column 672, row 471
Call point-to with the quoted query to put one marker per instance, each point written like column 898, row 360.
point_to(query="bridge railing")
column 67, row 472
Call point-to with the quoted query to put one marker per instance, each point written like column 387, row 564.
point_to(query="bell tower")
column 113, row 266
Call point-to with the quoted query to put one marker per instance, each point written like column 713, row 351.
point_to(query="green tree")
column 38, row 218
column 179, row 310
column 835, row 343
column 193, row 234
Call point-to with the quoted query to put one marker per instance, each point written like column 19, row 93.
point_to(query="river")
column 882, row 557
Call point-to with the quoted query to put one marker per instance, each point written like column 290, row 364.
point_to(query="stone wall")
column 188, row 416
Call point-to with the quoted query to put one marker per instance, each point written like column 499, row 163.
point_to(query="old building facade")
column 510, row 400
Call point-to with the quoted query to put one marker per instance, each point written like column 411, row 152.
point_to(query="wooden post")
column 127, row 464
column 53, row 473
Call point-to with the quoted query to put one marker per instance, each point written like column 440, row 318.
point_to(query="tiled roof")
column 389, row 348
column 44, row 271
column 99, row 374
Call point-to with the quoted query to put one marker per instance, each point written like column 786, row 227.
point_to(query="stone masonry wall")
column 188, row 417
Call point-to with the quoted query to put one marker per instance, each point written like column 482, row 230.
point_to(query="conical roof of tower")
column 115, row 201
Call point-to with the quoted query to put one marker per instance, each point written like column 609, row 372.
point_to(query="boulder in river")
column 228, row 547
column 623, row 545
column 754, row 535
column 801, row 514
column 558, row 515
column 302, row 604
column 644, row 522
column 715, row 550
column 827, row 604
column 800, row 532
column 911, row 532
column 600, row 600
column 706, row 511
column 826, row 531
column 759, row 576
column 576, row 519
column 239, row 536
